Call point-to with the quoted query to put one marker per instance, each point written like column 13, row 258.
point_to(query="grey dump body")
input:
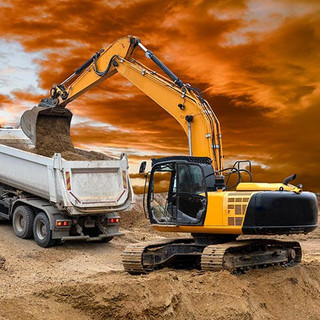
column 87, row 194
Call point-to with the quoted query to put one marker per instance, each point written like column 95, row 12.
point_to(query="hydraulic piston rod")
column 161, row 65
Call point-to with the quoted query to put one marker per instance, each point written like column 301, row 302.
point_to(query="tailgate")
column 97, row 184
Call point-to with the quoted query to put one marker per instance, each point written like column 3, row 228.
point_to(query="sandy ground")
column 86, row 281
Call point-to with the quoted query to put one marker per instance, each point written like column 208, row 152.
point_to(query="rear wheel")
column 41, row 231
column 22, row 221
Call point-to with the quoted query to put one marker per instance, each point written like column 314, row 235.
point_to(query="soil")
column 81, row 280
column 86, row 281
column 53, row 135
column 73, row 154
column 60, row 142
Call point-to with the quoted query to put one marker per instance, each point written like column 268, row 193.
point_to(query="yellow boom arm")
column 180, row 100
column 94, row 71
column 196, row 118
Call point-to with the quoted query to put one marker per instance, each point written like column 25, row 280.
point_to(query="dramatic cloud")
column 256, row 61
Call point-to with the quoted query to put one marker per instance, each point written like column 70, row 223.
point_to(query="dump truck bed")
column 79, row 187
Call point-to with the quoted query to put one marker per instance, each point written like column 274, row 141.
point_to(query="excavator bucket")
column 50, row 122
column 50, row 118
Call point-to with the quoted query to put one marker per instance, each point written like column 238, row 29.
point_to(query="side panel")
column 215, row 209
column 235, row 207
column 25, row 171
column 227, row 209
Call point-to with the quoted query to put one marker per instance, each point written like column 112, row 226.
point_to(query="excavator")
column 193, row 194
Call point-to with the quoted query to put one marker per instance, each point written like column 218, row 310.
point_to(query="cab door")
column 162, row 194
column 177, row 194
column 191, row 194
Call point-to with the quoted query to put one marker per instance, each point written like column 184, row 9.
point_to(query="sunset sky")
column 257, row 63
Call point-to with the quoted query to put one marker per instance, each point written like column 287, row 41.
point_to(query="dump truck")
column 55, row 200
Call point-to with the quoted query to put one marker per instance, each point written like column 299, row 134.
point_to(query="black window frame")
column 151, row 188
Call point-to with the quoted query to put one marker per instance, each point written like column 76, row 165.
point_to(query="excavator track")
column 236, row 256
column 132, row 256
column 244, row 255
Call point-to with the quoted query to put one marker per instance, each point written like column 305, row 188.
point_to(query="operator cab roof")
column 201, row 160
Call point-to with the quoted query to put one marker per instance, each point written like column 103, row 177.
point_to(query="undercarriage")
column 189, row 253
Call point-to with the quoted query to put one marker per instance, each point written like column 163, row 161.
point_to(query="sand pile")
column 269, row 294
column 84, row 281
column 53, row 136
column 73, row 154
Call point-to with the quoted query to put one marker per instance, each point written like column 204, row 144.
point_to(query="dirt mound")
column 135, row 216
column 68, row 153
column 53, row 135
column 196, row 295
column 86, row 281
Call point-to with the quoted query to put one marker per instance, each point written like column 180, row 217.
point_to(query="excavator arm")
column 182, row 101
column 184, row 104
column 97, row 69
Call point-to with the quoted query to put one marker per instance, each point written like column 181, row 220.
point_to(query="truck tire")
column 22, row 222
column 41, row 231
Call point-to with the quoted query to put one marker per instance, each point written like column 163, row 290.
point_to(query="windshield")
column 177, row 194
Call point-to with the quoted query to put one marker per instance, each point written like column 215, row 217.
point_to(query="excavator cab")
column 177, row 193
column 185, row 194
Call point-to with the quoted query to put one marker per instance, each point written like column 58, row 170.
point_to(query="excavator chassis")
column 235, row 256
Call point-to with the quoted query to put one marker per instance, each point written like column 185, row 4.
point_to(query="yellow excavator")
column 192, row 194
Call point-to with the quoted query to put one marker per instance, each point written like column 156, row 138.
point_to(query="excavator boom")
column 184, row 104
column 182, row 101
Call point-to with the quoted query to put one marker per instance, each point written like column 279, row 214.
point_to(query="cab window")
column 177, row 194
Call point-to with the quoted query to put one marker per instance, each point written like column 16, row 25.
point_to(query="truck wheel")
column 22, row 222
column 41, row 231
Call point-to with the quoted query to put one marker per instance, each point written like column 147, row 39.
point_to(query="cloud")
column 257, row 63
column 4, row 99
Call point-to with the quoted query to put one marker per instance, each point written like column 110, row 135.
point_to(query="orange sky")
column 256, row 61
